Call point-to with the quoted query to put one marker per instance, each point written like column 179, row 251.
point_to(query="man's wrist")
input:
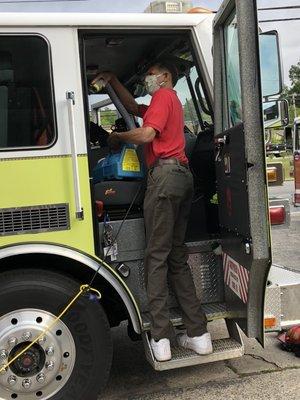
column 113, row 79
column 119, row 136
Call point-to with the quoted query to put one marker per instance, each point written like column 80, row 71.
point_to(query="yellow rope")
column 83, row 289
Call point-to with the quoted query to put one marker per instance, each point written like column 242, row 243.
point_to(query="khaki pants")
column 166, row 210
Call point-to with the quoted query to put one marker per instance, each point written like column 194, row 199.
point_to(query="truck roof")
column 137, row 20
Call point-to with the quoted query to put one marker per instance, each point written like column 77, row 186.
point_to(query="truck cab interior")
column 120, row 215
column 230, row 220
column 128, row 56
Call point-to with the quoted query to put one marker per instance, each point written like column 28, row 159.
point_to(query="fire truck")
column 278, row 146
column 60, row 228
column 296, row 153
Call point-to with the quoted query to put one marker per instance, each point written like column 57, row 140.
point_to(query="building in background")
column 175, row 6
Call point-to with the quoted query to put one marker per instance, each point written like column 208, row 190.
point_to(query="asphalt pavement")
column 261, row 374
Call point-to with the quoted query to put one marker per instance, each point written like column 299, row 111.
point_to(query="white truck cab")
column 55, row 221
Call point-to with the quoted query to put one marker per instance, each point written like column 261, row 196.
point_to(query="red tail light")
column 99, row 208
column 277, row 215
column 297, row 199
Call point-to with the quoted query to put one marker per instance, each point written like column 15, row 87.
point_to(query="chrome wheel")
column 45, row 368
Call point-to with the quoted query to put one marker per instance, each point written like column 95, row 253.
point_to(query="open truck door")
column 240, row 157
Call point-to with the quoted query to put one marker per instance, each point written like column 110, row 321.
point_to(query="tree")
column 285, row 92
column 108, row 117
column 294, row 75
column 292, row 93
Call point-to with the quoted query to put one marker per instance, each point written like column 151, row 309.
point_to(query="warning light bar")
column 277, row 215
column 275, row 173
column 272, row 174
column 270, row 322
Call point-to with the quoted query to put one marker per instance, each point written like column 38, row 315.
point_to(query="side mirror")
column 276, row 113
column 284, row 112
column 270, row 64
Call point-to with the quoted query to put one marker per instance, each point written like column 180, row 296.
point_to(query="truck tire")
column 72, row 361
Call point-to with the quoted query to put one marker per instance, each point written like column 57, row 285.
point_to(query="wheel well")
column 111, row 301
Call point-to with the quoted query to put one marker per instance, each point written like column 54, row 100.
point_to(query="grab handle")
column 71, row 103
column 119, row 106
column 219, row 145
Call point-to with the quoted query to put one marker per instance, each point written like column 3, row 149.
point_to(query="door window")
column 234, row 100
column 26, row 102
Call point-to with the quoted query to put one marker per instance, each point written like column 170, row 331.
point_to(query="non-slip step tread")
column 213, row 311
column 223, row 349
column 219, row 346
column 203, row 246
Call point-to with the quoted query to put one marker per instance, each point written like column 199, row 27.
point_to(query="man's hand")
column 105, row 76
column 114, row 141
column 124, row 95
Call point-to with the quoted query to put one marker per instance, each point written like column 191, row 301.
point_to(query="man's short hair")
column 167, row 65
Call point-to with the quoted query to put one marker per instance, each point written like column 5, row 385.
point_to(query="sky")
column 289, row 32
column 92, row 5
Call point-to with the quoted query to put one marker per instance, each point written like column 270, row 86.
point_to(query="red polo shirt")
column 165, row 115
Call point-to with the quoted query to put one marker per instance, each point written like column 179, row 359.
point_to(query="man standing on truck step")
column 166, row 207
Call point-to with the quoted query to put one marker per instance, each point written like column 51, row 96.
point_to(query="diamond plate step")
column 223, row 349
column 213, row 311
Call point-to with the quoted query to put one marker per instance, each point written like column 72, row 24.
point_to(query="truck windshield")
column 191, row 103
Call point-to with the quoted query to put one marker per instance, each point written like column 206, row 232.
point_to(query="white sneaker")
column 161, row 349
column 200, row 344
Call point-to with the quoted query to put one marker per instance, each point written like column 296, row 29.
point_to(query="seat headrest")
column 6, row 70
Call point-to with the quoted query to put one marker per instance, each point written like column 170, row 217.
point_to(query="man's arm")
column 124, row 95
column 135, row 136
column 155, row 121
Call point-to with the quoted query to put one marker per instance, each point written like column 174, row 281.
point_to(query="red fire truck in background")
column 296, row 151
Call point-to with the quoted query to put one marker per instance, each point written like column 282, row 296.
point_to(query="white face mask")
column 151, row 83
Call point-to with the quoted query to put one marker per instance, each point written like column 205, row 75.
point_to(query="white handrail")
column 71, row 102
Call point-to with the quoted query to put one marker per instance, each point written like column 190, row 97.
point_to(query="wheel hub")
column 42, row 370
column 29, row 363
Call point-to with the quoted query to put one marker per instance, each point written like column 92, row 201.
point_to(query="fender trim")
column 111, row 277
